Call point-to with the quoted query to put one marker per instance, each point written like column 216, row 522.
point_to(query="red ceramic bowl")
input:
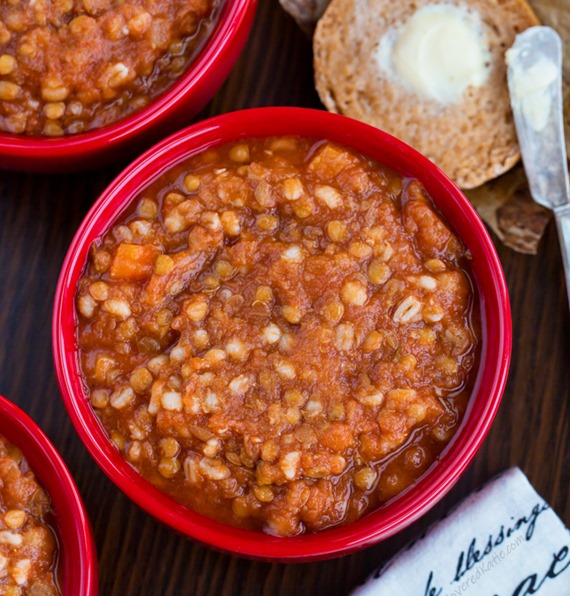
column 78, row 557
column 488, row 277
column 167, row 113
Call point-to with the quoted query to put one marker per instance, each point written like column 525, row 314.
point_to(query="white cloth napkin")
column 503, row 540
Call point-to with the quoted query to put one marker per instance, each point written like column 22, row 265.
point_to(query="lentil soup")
column 280, row 334
column 70, row 66
column 28, row 548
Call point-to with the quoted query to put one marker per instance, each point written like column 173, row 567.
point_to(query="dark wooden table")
column 38, row 217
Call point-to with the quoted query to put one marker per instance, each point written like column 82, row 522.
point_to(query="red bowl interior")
column 172, row 109
column 488, row 277
column 78, row 557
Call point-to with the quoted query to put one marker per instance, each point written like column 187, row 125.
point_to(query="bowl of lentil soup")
column 282, row 333
column 46, row 546
column 143, row 68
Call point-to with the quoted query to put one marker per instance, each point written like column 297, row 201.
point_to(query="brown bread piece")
column 305, row 12
column 472, row 141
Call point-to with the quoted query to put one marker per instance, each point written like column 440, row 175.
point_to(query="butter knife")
column 534, row 75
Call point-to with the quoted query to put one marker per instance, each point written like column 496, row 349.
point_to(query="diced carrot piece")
column 330, row 160
column 134, row 262
column 431, row 236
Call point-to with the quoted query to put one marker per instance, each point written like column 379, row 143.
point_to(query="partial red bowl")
column 164, row 115
column 78, row 557
column 488, row 277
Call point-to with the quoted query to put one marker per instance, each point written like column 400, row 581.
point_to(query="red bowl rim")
column 72, row 522
column 216, row 50
column 488, row 277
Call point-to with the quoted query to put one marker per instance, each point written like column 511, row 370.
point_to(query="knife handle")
column 562, row 216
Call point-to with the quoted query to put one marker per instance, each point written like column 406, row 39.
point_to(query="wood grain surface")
column 138, row 556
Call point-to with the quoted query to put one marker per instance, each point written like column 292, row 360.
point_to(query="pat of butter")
column 438, row 53
column 531, row 88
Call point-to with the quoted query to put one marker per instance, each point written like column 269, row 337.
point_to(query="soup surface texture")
column 28, row 548
column 280, row 333
column 69, row 66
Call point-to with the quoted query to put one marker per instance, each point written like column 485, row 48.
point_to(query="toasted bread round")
column 472, row 140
